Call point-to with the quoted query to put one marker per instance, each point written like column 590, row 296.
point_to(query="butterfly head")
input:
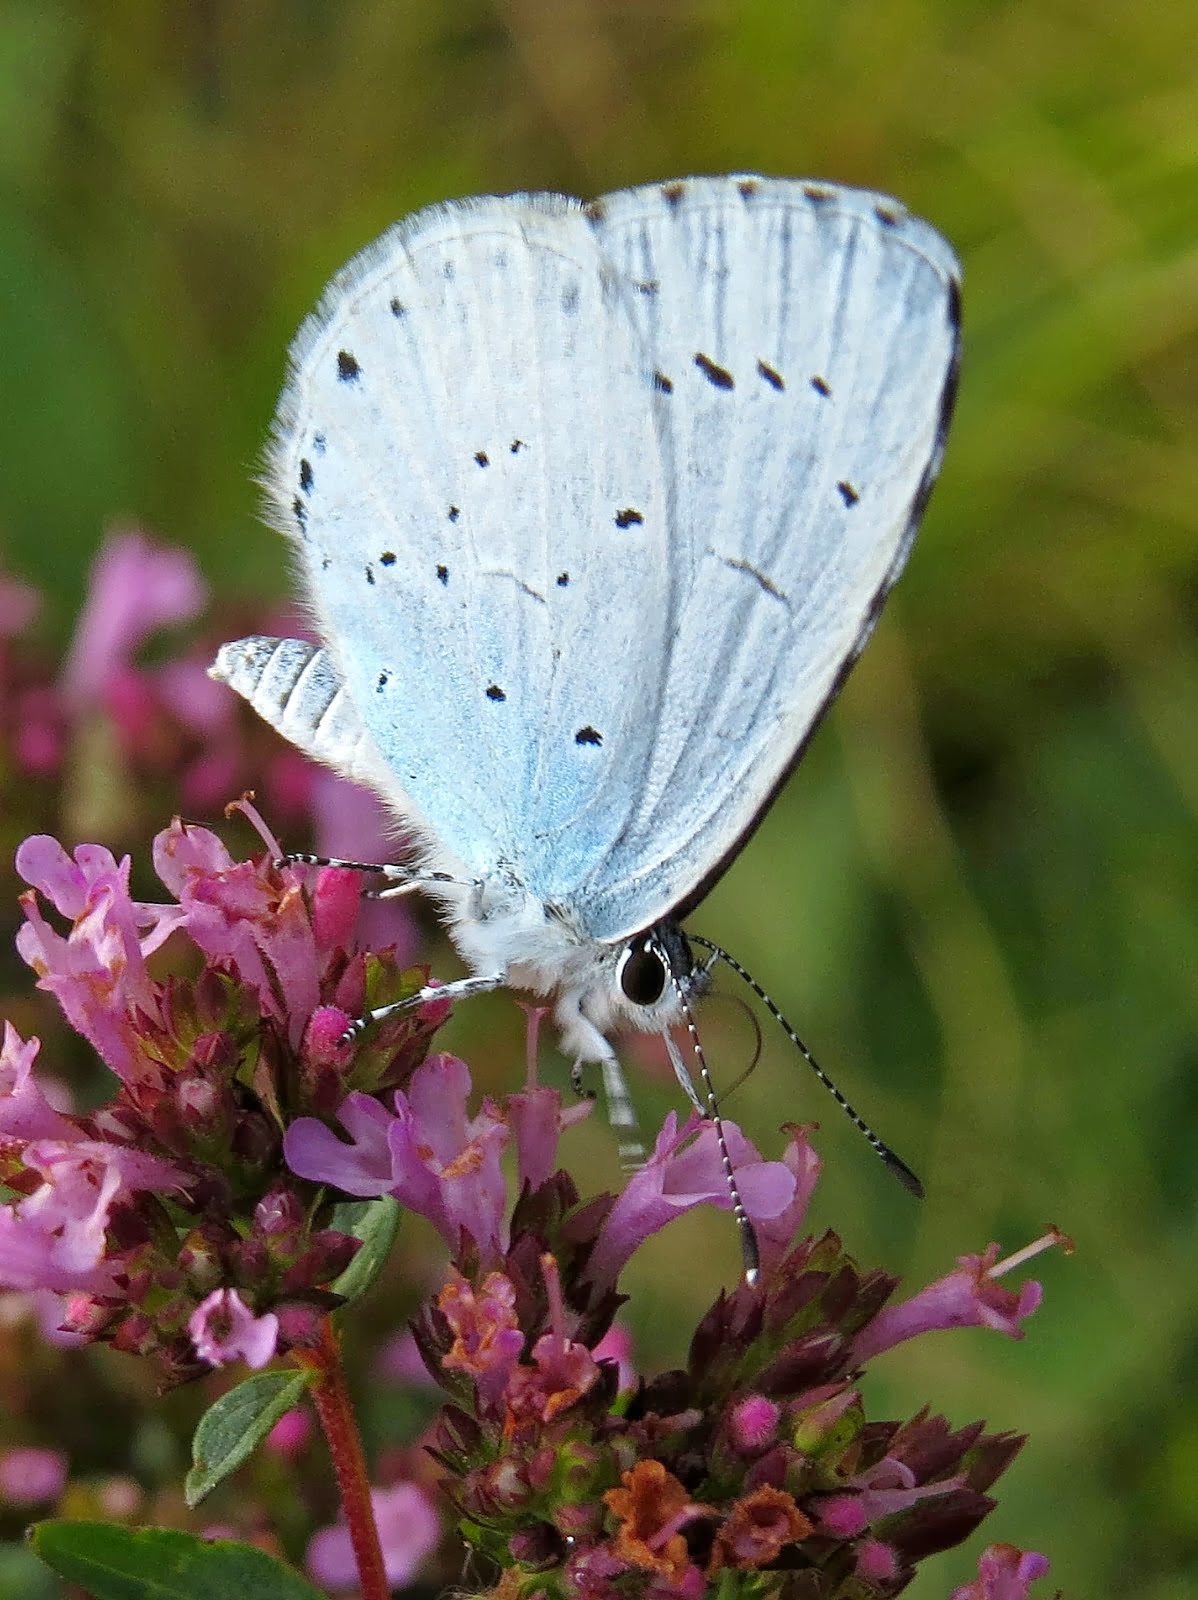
column 645, row 983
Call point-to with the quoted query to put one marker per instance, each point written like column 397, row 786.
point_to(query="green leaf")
column 230, row 1430
column 375, row 1222
column 116, row 1563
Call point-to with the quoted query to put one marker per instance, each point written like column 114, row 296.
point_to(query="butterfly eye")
column 643, row 972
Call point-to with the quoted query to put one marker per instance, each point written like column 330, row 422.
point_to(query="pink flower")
column 245, row 916
column 538, row 1119
column 685, row 1171
column 429, row 1155
column 25, row 1113
column 136, row 588
column 54, row 1238
column 616, row 1345
column 970, row 1297
column 884, row 1489
column 487, row 1340
column 1004, row 1573
column 351, row 821
column 409, row 1531
column 31, row 1476
column 775, row 1233
column 97, row 972
column 223, row 1329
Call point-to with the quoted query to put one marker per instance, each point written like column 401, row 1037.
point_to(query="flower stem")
column 330, row 1395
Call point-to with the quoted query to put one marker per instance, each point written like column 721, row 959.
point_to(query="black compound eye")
column 643, row 973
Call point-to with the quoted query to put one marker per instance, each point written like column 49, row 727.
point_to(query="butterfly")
column 595, row 505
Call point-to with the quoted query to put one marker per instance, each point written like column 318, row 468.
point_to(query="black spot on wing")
column 369, row 573
column 388, row 558
column 319, row 443
column 482, row 458
column 588, row 735
column 717, row 375
column 747, row 188
column 662, row 384
column 443, row 574
column 774, row 379
column 398, row 309
column 348, row 370
column 847, row 493
column 306, row 476
column 820, row 386
column 454, row 513
column 563, row 579
column 672, row 194
column 382, row 683
column 628, row 517
column 516, row 446
column 494, row 692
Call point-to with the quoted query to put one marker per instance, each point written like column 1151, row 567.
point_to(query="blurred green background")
column 979, row 896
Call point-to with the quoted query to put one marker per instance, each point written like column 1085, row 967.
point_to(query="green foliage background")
column 978, row 896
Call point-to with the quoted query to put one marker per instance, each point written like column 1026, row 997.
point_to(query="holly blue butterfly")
column 595, row 505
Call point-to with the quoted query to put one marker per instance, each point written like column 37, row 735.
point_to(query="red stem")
column 330, row 1395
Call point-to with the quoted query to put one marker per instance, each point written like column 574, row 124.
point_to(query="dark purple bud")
column 299, row 1324
column 330, row 1253
column 937, row 1523
column 538, row 1547
column 254, row 1141
column 506, row 1484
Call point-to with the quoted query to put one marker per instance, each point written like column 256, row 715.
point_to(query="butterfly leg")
column 460, row 989
column 404, row 879
column 621, row 1113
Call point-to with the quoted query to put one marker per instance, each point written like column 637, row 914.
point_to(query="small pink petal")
column 223, row 1329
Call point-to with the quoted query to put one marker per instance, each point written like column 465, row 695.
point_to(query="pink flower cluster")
column 174, row 1196
column 190, row 1220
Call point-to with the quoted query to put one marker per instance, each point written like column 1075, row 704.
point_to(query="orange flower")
column 756, row 1528
column 651, row 1507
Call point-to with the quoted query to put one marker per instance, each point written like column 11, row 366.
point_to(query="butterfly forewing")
column 466, row 425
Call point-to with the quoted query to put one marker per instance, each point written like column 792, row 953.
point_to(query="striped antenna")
column 750, row 1254
column 896, row 1164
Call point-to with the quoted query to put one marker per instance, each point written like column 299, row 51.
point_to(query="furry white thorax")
column 500, row 928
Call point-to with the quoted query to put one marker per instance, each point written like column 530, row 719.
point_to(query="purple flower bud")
column 751, row 1424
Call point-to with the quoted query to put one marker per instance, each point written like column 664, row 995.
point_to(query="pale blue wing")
column 805, row 340
column 466, row 425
